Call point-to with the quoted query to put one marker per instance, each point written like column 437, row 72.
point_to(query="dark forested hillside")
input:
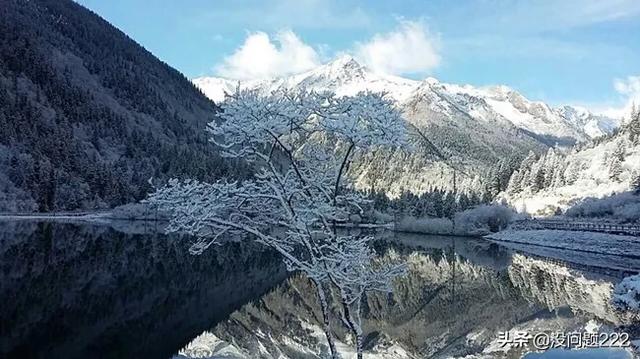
column 87, row 116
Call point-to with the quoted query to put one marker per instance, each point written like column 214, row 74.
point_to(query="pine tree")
column 617, row 157
column 635, row 184
column 515, row 183
column 537, row 176
column 634, row 125
column 550, row 168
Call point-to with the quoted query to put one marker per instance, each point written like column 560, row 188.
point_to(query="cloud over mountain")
column 262, row 57
column 408, row 49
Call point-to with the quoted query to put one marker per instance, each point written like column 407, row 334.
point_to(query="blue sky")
column 584, row 52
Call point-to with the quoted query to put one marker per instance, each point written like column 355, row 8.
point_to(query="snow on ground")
column 579, row 259
column 626, row 295
column 344, row 76
column 604, row 243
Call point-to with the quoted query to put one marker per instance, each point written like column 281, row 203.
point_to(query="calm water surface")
column 128, row 291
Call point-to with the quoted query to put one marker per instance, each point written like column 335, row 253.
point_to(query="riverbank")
column 56, row 215
column 102, row 216
column 591, row 242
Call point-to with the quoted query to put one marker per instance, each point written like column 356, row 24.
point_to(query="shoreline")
column 84, row 216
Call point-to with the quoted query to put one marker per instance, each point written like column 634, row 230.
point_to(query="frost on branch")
column 288, row 119
column 301, row 144
column 352, row 271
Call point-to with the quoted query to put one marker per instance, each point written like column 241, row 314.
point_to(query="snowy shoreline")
column 589, row 242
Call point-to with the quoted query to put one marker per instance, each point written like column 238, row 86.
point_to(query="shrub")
column 425, row 225
column 484, row 219
column 624, row 206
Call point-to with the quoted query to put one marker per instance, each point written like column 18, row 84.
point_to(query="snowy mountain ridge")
column 499, row 104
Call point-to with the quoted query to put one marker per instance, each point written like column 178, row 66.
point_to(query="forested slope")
column 560, row 179
column 88, row 116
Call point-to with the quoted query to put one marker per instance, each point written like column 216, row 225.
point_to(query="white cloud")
column 629, row 86
column 629, row 91
column 260, row 57
column 408, row 49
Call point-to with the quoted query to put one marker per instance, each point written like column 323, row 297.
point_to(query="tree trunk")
column 356, row 330
column 326, row 325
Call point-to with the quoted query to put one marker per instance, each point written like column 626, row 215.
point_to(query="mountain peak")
column 344, row 69
column 345, row 64
column 431, row 80
column 500, row 90
column 344, row 61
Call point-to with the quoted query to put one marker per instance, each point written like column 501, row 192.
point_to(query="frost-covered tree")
column 634, row 125
column 635, row 183
column 550, row 163
column 301, row 144
column 616, row 160
column 515, row 182
column 537, row 176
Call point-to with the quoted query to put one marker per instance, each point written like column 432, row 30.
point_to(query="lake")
column 126, row 290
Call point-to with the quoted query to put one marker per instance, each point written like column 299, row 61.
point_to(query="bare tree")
column 301, row 144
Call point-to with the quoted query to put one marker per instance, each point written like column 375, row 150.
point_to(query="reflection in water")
column 85, row 291
column 458, row 295
column 82, row 291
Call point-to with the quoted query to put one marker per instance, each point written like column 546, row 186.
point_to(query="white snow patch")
column 626, row 294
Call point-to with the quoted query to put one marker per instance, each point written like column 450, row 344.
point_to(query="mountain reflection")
column 458, row 295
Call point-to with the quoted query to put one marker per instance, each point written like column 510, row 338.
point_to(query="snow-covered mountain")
column 344, row 76
column 482, row 131
column 498, row 104
column 593, row 125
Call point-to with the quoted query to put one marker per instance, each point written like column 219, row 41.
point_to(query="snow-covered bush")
column 484, row 219
column 626, row 294
column 624, row 206
column 425, row 225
